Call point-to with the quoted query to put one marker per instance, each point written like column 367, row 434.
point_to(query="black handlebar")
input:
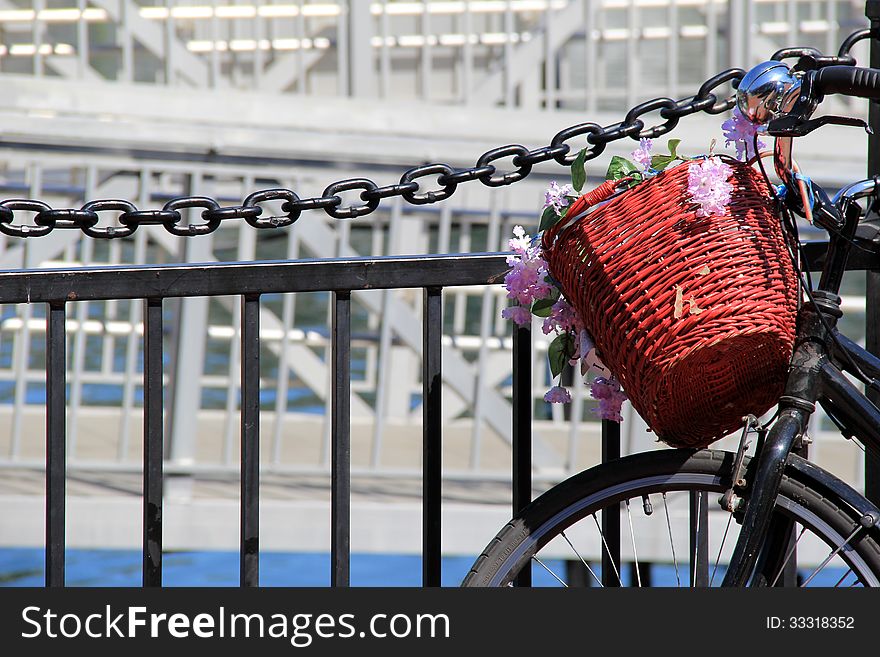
column 847, row 80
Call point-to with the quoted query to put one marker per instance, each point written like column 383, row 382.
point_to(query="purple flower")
column 563, row 318
column 610, row 397
column 557, row 395
column 741, row 132
column 642, row 155
column 526, row 280
column 520, row 243
column 557, row 197
column 520, row 315
column 708, row 185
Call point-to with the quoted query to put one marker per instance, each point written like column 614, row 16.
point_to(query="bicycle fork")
column 795, row 407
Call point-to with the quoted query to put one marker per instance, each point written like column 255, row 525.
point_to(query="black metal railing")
column 154, row 284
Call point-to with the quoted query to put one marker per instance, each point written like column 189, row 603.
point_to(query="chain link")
column 412, row 188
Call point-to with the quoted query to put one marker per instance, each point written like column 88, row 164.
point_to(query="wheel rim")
column 678, row 482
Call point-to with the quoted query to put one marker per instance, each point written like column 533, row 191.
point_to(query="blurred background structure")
column 146, row 102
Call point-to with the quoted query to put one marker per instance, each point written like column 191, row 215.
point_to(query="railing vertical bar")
column 611, row 515
column 250, row 441
column 432, row 437
column 672, row 51
column 82, row 40
column 872, row 313
column 343, row 86
column 591, row 26
column 384, row 53
column 711, row 37
column 699, row 538
column 55, row 443
column 169, row 40
column 37, row 29
column 425, row 63
column 301, row 53
column 126, row 41
column 215, row 53
column 632, row 54
column 153, row 441
column 258, row 50
column 509, row 80
column 467, row 53
column 340, row 511
column 522, row 428
column 549, row 60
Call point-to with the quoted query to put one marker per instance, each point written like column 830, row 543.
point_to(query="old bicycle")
column 783, row 505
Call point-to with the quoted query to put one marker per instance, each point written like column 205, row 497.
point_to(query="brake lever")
column 794, row 126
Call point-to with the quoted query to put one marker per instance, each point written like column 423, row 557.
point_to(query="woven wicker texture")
column 694, row 315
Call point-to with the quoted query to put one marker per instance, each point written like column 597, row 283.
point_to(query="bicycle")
column 784, row 504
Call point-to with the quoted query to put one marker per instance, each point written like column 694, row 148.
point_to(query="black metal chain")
column 411, row 186
column 447, row 178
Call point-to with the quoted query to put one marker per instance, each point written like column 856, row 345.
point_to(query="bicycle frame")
column 821, row 354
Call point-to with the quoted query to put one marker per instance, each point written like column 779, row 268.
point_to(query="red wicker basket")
column 694, row 315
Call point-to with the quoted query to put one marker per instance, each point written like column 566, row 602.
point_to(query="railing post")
column 340, row 495
column 432, row 437
column 522, row 428
column 872, row 291
column 56, row 360
column 611, row 515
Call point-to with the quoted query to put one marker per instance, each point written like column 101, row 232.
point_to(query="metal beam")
column 151, row 36
column 562, row 25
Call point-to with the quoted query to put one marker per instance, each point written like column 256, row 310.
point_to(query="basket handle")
column 601, row 193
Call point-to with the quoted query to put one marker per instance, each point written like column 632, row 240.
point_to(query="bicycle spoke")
column 635, row 553
column 586, row 565
column 720, row 549
column 550, row 571
column 845, row 575
column 791, row 552
column 833, row 554
column 671, row 541
column 605, row 543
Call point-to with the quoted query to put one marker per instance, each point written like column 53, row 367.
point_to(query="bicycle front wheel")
column 665, row 499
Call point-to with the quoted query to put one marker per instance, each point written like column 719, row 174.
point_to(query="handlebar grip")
column 848, row 81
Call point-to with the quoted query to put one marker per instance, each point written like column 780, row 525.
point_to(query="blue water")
column 25, row 567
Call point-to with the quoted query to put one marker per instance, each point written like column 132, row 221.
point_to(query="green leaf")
column 660, row 162
column 549, row 218
column 578, row 172
column 559, row 353
column 673, row 144
column 619, row 168
column 543, row 307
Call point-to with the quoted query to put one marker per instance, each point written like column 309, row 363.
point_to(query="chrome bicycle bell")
column 767, row 91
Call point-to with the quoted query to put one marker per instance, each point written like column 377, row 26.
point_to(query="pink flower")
column 563, row 318
column 642, row 155
column 610, row 397
column 557, row 197
column 557, row 395
column 527, row 279
column 520, row 243
column 520, row 315
column 741, row 132
column 708, row 185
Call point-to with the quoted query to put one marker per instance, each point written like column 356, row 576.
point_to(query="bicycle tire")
column 830, row 515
